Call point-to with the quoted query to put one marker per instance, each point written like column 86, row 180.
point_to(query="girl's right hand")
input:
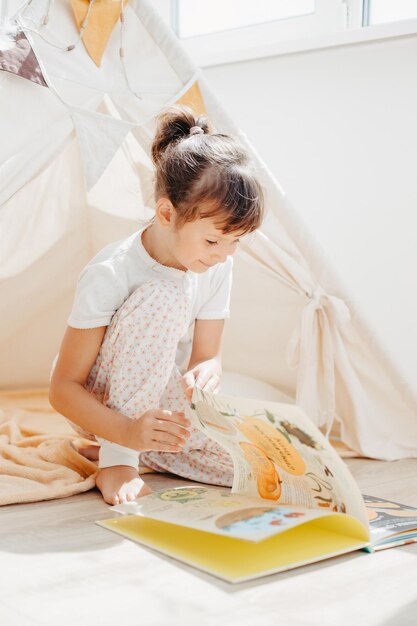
column 157, row 429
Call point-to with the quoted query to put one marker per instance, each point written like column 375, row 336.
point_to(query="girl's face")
column 199, row 245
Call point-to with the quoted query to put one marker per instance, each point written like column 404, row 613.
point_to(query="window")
column 219, row 31
column 214, row 32
column 193, row 18
column 382, row 11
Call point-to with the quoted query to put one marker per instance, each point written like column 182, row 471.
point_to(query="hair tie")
column 196, row 130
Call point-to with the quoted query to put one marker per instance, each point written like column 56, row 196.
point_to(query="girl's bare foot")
column 120, row 484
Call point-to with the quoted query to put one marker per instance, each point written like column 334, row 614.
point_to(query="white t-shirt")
column 121, row 267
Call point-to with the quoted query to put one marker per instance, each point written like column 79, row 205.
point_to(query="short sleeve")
column 217, row 304
column 98, row 295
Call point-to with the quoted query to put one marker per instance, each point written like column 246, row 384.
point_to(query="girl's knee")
column 157, row 301
column 165, row 290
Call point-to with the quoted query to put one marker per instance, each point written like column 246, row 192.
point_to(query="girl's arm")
column 67, row 394
column 69, row 397
column 205, row 367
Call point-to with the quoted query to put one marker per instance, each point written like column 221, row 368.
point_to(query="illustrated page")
column 279, row 455
column 217, row 510
column 387, row 518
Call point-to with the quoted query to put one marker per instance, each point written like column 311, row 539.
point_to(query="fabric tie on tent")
column 99, row 137
column 311, row 349
column 18, row 57
column 96, row 25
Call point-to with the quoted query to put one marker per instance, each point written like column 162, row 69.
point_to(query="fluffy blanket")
column 39, row 458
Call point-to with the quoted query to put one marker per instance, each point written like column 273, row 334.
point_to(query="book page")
column 278, row 453
column 217, row 510
column 390, row 519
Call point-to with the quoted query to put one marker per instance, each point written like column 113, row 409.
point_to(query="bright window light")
column 200, row 17
column 381, row 11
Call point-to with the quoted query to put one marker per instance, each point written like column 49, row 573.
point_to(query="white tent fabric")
column 75, row 174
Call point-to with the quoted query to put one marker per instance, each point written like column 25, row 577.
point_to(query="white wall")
column 338, row 128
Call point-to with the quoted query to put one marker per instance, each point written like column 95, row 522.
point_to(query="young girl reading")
column 127, row 364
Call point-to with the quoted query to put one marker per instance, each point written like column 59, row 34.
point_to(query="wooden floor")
column 57, row 568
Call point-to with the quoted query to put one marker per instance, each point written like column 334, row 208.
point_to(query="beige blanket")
column 39, row 458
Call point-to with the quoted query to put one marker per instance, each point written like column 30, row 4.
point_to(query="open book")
column 293, row 499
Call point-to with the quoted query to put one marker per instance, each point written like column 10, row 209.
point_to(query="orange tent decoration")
column 101, row 20
column 194, row 99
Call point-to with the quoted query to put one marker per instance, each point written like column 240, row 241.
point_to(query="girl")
column 127, row 365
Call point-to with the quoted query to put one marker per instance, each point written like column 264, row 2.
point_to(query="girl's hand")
column 205, row 375
column 157, row 429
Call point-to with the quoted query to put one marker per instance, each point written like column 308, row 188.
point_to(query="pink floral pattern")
column 135, row 371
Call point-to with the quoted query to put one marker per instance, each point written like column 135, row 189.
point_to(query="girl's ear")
column 165, row 212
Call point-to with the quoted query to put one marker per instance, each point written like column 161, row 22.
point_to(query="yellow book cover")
column 293, row 500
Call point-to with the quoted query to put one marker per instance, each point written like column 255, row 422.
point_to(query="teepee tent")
column 76, row 122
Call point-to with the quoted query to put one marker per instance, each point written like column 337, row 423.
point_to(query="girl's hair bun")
column 173, row 125
column 204, row 174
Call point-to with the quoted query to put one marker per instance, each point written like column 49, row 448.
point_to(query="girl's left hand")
column 205, row 375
